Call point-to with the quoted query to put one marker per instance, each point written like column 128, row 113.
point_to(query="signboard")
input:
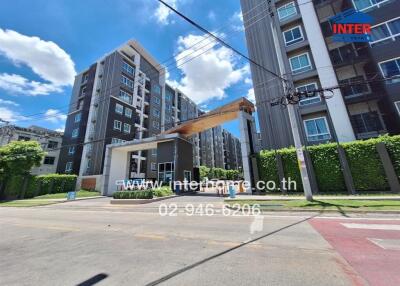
column 351, row 26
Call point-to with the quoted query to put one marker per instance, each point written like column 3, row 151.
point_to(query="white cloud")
column 54, row 116
column 61, row 129
column 45, row 58
column 8, row 102
column 251, row 95
column 10, row 115
column 248, row 80
column 211, row 15
column 162, row 13
column 237, row 21
column 172, row 83
column 208, row 73
column 17, row 84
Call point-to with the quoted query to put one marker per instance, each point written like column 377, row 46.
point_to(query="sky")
column 44, row 43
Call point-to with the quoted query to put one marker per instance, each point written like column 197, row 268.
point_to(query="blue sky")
column 43, row 43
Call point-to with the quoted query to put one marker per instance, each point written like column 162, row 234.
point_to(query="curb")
column 138, row 201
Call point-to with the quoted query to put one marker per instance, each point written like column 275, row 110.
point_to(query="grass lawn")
column 45, row 199
column 339, row 205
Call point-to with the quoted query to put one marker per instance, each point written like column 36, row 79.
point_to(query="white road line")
column 372, row 226
column 388, row 244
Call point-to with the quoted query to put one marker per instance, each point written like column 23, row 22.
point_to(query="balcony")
column 349, row 55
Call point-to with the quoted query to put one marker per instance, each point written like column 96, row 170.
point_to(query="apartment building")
column 122, row 97
column 295, row 39
column 49, row 140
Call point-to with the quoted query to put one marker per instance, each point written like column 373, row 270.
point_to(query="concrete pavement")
column 69, row 243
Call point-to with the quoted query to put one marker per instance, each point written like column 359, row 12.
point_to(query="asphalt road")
column 91, row 242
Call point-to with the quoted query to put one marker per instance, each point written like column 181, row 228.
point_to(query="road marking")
column 388, row 244
column 151, row 236
column 372, row 226
column 45, row 227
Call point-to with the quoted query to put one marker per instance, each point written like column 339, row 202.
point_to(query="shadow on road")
column 191, row 266
column 94, row 280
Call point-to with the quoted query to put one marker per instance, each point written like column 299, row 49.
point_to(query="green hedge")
column 362, row 156
column 133, row 195
column 163, row 192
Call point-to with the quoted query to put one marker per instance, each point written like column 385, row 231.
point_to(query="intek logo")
column 351, row 26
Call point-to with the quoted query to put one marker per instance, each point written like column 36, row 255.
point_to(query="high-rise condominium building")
column 294, row 38
column 124, row 97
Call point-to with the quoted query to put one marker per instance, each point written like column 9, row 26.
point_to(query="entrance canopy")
column 213, row 118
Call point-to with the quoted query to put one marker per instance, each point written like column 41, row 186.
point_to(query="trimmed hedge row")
column 362, row 156
column 147, row 194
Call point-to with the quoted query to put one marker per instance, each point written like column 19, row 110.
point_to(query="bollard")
column 232, row 193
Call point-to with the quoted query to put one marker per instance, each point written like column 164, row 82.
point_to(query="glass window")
column 127, row 81
column 312, row 97
column 128, row 68
column 156, row 124
column 286, row 11
column 71, row 150
column 362, row 5
column 157, row 100
column 75, row 133
column 157, row 89
column 128, row 112
column 391, row 68
column 366, row 122
column 127, row 128
column 153, row 166
column 119, row 108
column 77, row 117
column 317, row 129
column 49, row 160
column 300, row 63
column 52, row 144
column 156, row 113
column 68, row 167
column 126, row 97
column 117, row 125
column 351, row 88
column 293, row 36
column 385, row 32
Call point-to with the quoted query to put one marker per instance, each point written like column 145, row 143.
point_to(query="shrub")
column 327, row 168
column 163, row 192
column 393, row 146
column 56, row 183
column 133, row 195
column 290, row 166
column 267, row 168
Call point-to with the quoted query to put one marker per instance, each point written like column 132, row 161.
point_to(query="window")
column 77, row 117
column 300, row 63
column 126, row 97
column 23, row 138
column 68, row 167
column 156, row 113
column 128, row 112
column 117, row 125
column 366, row 122
column 85, row 78
column 83, row 91
column 126, row 81
column 79, row 104
column 119, row 108
column 166, row 172
column 128, row 68
column 351, row 89
column 317, row 129
column 309, row 88
column 52, row 144
column 49, row 160
column 153, row 167
column 117, row 140
column 286, row 11
column 157, row 89
column 345, row 53
column 75, row 133
column 293, row 36
column 362, row 5
column 127, row 128
column 153, row 152
column 71, row 150
column 397, row 104
column 157, row 100
column 385, row 32
column 156, row 124
column 391, row 68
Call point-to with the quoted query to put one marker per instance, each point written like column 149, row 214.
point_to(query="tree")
column 17, row 159
column 204, row 172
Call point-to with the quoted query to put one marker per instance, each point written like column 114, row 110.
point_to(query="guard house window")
column 126, row 97
column 128, row 112
column 119, row 108
column 127, row 128
column 77, row 117
column 300, row 63
column 366, row 122
column 293, row 36
column 75, row 133
column 128, row 68
column 49, row 160
column 68, row 167
column 71, row 150
column 286, row 11
column 385, row 32
column 117, row 125
column 126, row 81
column 52, row 144
column 166, row 172
column 312, row 98
column 391, row 68
column 362, row 5
column 317, row 129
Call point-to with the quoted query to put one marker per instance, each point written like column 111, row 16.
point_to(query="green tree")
column 204, row 172
column 17, row 159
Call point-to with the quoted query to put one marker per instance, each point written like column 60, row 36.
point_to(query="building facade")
column 122, row 97
column 49, row 140
column 295, row 39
